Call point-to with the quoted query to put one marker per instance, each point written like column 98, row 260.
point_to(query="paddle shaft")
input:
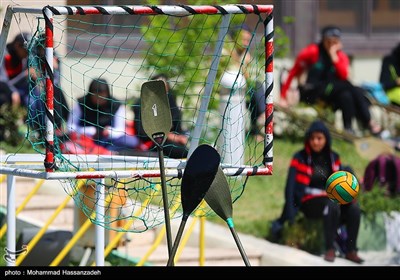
column 239, row 245
column 177, row 240
column 165, row 199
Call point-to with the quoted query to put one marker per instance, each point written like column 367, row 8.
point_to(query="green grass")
column 2, row 246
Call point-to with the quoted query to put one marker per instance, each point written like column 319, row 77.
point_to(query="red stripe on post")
column 94, row 176
column 269, row 50
column 260, row 8
column 269, row 128
column 49, row 96
column 49, row 36
column 144, row 11
column 206, row 10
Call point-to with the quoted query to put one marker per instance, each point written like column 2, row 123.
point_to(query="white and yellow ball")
column 342, row 187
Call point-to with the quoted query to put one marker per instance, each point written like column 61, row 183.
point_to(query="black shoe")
column 276, row 231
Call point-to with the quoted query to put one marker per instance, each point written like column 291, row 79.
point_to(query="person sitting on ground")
column 305, row 191
column 100, row 116
column 390, row 75
column 327, row 67
column 22, row 78
column 175, row 145
column 37, row 77
column 16, row 66
column 35, row 99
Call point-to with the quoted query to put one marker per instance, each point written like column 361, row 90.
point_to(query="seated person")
column 22, row 79
column 16, row 66
column 390, row 75
column 305, row 191
column 177, row 139
column 37, row 76
column 327, row 68
column 101, row 117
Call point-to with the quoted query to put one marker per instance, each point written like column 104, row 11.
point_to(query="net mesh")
column 125, row 51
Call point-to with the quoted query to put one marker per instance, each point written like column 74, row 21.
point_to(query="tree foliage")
column 177, row 42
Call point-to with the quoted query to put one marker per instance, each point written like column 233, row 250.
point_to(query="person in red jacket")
column 16, row 66
column 327, row 67
column 305, row 191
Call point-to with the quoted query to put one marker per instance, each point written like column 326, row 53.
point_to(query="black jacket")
column 387, row 78
column 308, row 170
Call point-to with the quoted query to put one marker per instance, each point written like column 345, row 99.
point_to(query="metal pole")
column 195, row 136
column 100, row 231
column 11, row 221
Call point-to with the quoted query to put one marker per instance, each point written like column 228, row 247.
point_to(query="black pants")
column 333, row 216
column 342, row 95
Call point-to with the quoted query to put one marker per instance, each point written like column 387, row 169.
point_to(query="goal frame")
column 178, row 10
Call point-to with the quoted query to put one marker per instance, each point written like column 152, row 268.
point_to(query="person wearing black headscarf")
column 16, row 66
column 102, row 117
column 305, row 191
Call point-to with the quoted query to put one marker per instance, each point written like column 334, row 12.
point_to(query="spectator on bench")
column 327, row 67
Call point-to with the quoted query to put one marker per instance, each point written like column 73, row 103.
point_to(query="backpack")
column 384, row 169
column 376, row 91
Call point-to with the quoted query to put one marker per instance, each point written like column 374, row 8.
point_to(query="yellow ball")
column 342, row 187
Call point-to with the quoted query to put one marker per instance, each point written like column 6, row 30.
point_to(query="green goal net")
column 87, row 65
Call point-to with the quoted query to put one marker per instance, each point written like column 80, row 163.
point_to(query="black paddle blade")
column 218, row 197
column 155, row 111
column 199, row 173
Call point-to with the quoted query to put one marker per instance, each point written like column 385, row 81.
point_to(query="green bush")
column 378, row 200
column 10, row 122
column 304, row 234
